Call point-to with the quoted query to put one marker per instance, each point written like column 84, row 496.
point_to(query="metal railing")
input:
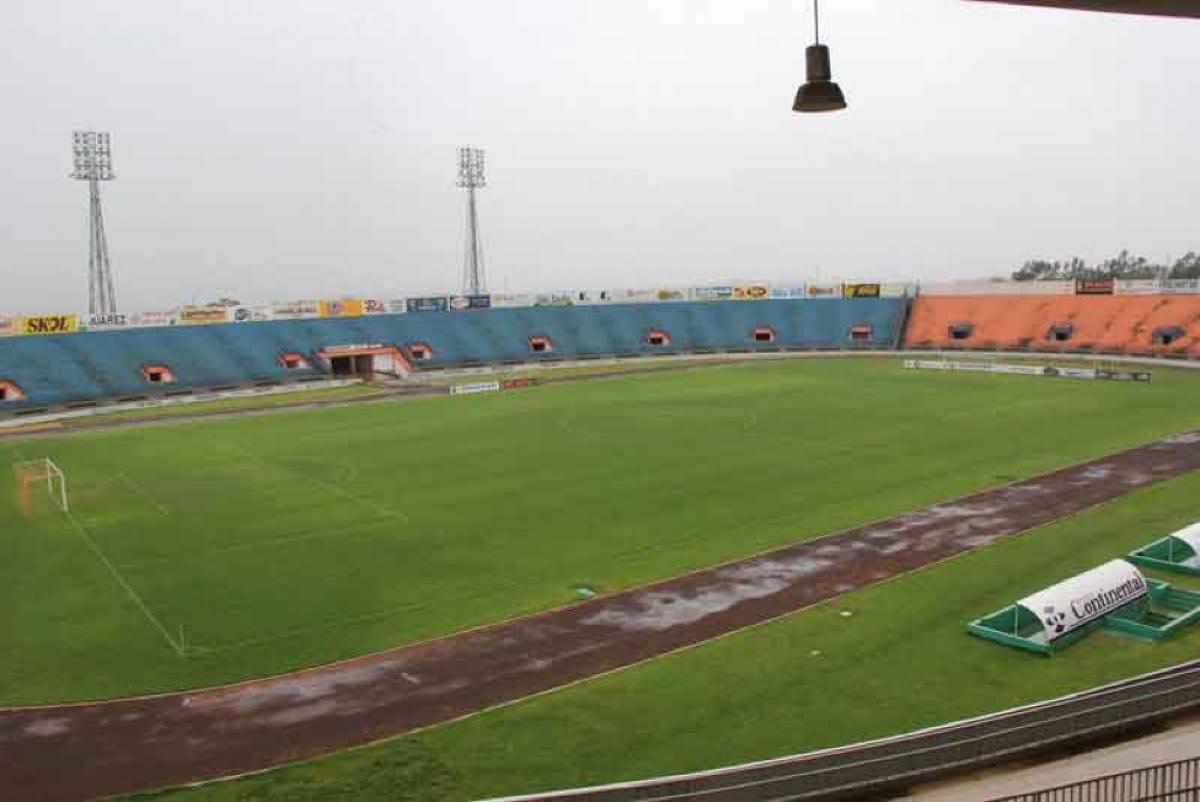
column 902, row 761
column 1178, row 781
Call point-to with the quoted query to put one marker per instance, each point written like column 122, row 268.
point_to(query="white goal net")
column 35, row 475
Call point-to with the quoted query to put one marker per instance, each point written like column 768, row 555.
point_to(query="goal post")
column 32, row 473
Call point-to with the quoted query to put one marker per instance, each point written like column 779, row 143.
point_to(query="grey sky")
column 281, row 149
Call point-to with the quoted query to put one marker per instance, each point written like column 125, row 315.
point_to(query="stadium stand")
column 70, row 369
column 1147, row 325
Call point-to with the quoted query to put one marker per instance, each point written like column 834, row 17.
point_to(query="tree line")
column 1122, row 266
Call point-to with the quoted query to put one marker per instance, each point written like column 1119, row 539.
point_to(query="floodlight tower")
column 470, row 177
column 93, row 163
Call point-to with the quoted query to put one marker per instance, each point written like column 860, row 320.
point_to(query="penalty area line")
column 87, row 538
column 142, row 492
column 332, row 488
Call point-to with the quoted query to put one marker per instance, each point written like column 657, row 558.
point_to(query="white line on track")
column 142, row 492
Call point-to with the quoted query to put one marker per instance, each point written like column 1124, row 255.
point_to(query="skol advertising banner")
column 466, row 303
column 439, row 304
column 349, row 307
column 860, row 290
column 203, row 315
column 751, row 292
column 50, row 324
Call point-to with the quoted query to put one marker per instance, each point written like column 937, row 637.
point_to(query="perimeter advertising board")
column 1094, row 286
column 203, row 315
column 250, row 314
column 152, row 319
column 104, row 322
column 788, row 292
column 720, row 293
column 9, row 326
column 512, row 299
column 438, row 304
column 751, row 292
column 372, row 306
column 290, row 310
column 822, row 291
column 347, row 307
column 860, row 290
column 1180, row 285
column 50, row 324
column 467, row 303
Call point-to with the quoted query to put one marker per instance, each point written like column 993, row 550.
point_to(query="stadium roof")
column 1158, row 8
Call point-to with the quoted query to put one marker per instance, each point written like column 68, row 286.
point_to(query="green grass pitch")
column 209, row 552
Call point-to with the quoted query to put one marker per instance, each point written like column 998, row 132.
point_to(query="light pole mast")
column 93, row 163
column 470, row 177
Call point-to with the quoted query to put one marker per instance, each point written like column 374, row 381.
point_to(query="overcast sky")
column 288, row 148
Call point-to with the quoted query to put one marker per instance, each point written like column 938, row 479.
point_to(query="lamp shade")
column 819, row 92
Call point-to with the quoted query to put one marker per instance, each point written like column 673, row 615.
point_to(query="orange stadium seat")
column 1125, row 324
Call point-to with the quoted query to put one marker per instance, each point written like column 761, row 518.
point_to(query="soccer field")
column 208, row 552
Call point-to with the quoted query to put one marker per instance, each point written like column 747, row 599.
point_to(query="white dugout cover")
column 1077, row 601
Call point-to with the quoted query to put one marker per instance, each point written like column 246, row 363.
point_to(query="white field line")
column 336, row 490
column 252, row 545
column 87, row 538
column 353, row 619
column 142, row 492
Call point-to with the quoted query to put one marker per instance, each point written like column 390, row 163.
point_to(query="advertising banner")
column 1180, row 285
column 553, row 299
column 1136, row 286
column 796, row 291
column 1123, row 375
column 512, row 299
column 998, row 288
column 348, row 307
column 712, row 293
column 860, row 290
column 585, row 297
column 894, row 290
column 475, row 387
column 203, row 315
column 751, row 292
column 150, row 319
column 1094, row 286
column 438, row 304
column 822, row 291
column 466, row 303
column 670, row 294
column 396, row 306
column 251, row 314
column 9, row 326
column 50, row 324
column 290, row 310
column 373, row 306
column 101, row 322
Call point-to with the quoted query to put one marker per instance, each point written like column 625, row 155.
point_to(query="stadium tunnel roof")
column 1156, row 8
